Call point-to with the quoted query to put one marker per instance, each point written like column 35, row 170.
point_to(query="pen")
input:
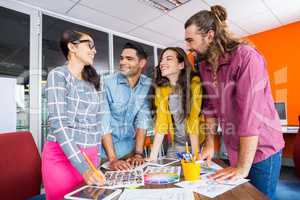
column 186, row 156
column 196, row 153
column 92, row 165
column 201, row 149
column 192, row 158
column 187, row 147
column 179, row 155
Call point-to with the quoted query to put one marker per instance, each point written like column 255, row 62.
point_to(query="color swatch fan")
column 162, row 175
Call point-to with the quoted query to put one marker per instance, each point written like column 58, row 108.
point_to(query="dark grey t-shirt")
column 176, row 109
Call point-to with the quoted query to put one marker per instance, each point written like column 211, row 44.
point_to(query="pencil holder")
column 191, row 170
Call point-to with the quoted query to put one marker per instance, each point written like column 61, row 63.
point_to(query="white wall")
column 8, row 112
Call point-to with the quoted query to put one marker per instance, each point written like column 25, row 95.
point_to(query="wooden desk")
column 289, row 136
column 245, row 191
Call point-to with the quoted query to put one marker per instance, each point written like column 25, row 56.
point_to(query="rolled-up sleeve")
column 59, row 121
column 252, row 80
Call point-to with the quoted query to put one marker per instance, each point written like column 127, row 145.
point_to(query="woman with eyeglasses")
column 75, row 119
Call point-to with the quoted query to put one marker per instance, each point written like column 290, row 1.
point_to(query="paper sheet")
column 210, row 188
column 157, row 194
column 205, row 169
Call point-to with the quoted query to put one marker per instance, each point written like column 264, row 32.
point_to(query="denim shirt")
column 129, row 109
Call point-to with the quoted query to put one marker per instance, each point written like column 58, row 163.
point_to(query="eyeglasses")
column 90, row 43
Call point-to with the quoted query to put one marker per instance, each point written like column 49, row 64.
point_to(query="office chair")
column 20, row 166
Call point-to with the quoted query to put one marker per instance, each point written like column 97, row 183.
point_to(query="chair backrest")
column 20, row 166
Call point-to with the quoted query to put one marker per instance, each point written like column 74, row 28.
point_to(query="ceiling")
column 135, row 18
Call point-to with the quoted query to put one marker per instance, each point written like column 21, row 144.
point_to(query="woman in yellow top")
column 177, row 103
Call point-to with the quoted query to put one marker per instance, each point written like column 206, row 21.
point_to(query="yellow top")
column 163, row 122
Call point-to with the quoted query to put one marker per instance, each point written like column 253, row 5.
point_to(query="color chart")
column 162, row 175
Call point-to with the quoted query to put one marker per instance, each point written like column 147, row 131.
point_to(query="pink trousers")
column 59, row 175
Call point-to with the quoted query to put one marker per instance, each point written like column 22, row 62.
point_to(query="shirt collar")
column 121, row 79
column 223, row 60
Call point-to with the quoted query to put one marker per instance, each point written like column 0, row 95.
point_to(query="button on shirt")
column 129, row 109
column 75, row 115
column 243, row 103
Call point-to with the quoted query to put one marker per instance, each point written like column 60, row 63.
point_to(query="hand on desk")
column 119, row 165
column 150, row 159
column 136, row 160
column 229, row 173
column 93, row 178
column 207, row 153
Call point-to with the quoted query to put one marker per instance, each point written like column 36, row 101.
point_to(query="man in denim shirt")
column 126, row 93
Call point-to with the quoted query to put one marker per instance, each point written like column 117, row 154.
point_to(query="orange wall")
column 281, row 49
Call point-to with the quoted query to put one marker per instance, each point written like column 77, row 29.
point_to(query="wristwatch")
column 141, row 155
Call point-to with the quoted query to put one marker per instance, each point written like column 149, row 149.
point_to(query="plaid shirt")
column 76, row 112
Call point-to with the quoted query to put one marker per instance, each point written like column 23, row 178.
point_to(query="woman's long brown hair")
column 184, row 79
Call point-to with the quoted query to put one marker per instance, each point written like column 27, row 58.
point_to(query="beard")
column 202, row 56
column 207, row 54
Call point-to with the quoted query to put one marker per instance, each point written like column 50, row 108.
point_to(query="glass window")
column 119, row 42
column 53, row 57
column 14, row 69
column 159, row 50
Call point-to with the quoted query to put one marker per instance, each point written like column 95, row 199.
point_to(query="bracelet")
column 138, row 153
